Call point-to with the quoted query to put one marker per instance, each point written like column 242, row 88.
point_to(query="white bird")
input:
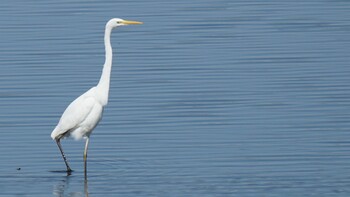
column 85, row 112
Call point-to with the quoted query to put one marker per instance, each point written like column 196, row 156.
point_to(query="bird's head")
column 116, row 22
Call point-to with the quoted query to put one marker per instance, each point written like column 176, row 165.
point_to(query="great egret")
column 85, row 112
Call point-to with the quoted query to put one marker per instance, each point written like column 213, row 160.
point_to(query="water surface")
column 224, row 98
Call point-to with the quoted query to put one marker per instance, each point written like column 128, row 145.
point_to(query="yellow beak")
column 131, row 22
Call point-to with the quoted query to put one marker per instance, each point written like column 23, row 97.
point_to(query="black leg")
column 85, row 157
column 69, row 170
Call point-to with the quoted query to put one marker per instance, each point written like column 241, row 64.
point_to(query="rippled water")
column 208, row 98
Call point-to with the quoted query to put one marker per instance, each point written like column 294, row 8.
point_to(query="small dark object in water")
column 18, row 168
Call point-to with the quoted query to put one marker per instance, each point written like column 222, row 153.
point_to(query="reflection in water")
column 86, row 187
column 62, row 188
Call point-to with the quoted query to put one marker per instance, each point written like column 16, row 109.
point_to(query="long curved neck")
column 103, row 84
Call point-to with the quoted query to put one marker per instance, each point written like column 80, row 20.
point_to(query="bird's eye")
column 118, row 22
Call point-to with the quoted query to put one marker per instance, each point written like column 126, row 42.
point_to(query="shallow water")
column 224, row 98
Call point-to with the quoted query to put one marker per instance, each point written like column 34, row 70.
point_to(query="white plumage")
column 80, row 117
column 85, row 112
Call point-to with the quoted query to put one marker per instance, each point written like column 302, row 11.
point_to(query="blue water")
column 208, row 98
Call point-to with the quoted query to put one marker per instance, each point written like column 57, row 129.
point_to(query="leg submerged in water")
column 69, row 170
column 85, row 156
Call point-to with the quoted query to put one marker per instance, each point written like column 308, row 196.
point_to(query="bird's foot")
column 69, row 171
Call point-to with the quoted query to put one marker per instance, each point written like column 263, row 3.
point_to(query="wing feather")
column 75, row 113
